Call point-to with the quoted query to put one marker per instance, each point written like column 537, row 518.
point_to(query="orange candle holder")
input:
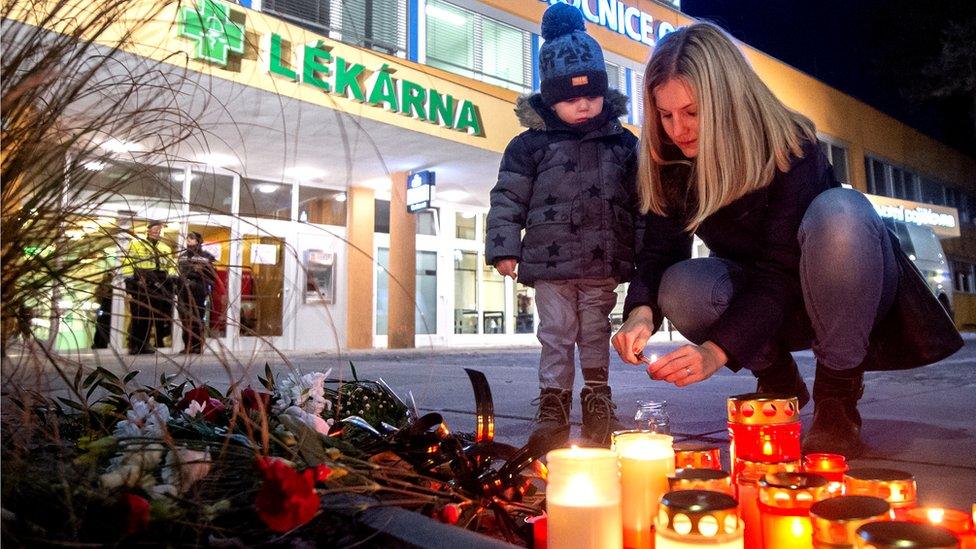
column 958, row 522
column 763, row 427
column 830, row 466
column 747, row 493
column 896, row 487
column 700, row 479
column 697, row 455
column 697, row 518
column 899, row 534
column 835, row 520
column 784, row 508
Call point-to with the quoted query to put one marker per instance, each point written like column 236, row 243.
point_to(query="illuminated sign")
column 943, row 220
column 420, row 191
column 621, row 19
column 210, row 27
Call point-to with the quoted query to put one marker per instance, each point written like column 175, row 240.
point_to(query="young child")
column 569, row 182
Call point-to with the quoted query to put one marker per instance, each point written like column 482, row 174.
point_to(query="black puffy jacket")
column 574, row 193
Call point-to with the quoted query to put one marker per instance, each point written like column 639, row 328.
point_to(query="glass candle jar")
column 696, row 455
column 583, row 499
column 830, row 466
column 836, row 520
column 747, row 493
column 700, row 479
column 763, row 427
column 784, row 508
column 896, row 487
column 688, row 519
column 646, row 461
column 958, row 522
column 652, row 416
column 899, row 534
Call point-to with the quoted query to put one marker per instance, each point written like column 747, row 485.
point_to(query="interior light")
column 95, row 165
column 341, row 197
column 467, row 215
column 119, row 146
column 304, row 173
column 267, row 188
column 180, row 176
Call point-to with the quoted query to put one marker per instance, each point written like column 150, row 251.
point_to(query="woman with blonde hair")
column 797, row 260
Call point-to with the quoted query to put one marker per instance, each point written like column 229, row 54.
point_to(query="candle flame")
column 936, row 515
column 767, row 448
column 797, row 528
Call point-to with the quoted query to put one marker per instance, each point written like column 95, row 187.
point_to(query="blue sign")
column 420, row 191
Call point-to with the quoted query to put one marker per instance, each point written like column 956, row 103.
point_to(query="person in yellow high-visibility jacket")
column 149, row 268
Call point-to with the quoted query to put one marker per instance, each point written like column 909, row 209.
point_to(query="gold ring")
column 687, row 369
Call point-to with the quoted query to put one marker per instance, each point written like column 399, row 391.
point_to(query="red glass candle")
column 763, row 427
column 836, row 520
column 896, row 487
column 700, row 479
column 899, row 534
column 696, row 455
column 747, row 493
column 539, row 531
column 958, row 522
column 784, row 508
column 830, row 466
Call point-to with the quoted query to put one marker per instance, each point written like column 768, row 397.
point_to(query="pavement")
column 922, row 421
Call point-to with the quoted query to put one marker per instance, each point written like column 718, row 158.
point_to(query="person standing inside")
column 197, row 278
column 148, row 268
column 796, row 261
column 568, row 182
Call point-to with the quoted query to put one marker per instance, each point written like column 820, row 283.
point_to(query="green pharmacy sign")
column 209, row 26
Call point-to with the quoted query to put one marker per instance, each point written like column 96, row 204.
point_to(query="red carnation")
column 287, row 498
column 255, row 400
column 212, row 407
column 137, row 516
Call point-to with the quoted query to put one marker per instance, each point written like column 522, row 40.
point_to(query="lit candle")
column 900, row 534
column 696, row 455
column 763, row 427
column 688, row 519
column 896, row 487
column 700, row 479
column 646, row 460
column 836, row 520
column 583, row 499
column 830, row 466
column 784, row 508
column 539, row 530
column 747, row 493
column 958, row 522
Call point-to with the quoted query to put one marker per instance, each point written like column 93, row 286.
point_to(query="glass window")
column 265, row 199
column 897, row 183
column 426, row 310
column 502, row 57
column 262, row 285
column 382, row 290
column 372, row 24
column 524, row 308
column 211, row 192
column 427, row 222
column 324, row 206
column 613, row 77
column 838, row 159
column 494, row 292
column 130, row 187
column 465, row 292
column 381, row 216
column 932, row 192
column 450, row 38
column 964, row 277
column 876, row 177
column 464, row 225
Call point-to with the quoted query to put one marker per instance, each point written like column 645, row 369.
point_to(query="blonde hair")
column 745, row 133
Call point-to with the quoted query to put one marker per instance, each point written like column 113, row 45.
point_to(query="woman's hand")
column 506, row 267
column 631, row 338
column 688, row 364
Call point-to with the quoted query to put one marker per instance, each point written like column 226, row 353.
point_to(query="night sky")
column 885, row 53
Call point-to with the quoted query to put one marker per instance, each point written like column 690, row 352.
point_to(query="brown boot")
column 783, row 377
column 599, row 419
column 552, row 418
column 836, row 425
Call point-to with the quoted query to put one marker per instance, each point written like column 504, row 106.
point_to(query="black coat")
column 759, row 232
column 572, row 191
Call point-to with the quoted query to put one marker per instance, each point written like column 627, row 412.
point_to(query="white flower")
column 184, row 467
column 195, row 408
column 307, row 392
column 146, row 419
column 124, row 475
column 314, row 422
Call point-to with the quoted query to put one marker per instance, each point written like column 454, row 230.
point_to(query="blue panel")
column 630, row 92
column 413, row 18
column 535, row 62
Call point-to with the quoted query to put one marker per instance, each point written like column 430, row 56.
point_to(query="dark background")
column 914, row 60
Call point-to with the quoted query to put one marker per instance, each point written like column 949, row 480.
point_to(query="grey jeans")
column 847, row 272
column 574, row 313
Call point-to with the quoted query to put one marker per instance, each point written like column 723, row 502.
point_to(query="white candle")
column 646, row 462
column 583, row 499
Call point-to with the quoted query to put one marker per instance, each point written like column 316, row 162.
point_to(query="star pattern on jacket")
column 550, row 264
column 550, row 214
column 598, row 253
column 594, row 191
column 499, row 240
column 553, row 249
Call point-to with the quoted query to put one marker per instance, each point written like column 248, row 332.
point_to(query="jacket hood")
column 532, row 112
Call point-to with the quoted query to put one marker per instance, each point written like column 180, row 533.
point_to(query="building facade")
column 329, row 106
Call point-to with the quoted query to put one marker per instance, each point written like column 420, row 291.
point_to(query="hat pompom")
column 560, row 19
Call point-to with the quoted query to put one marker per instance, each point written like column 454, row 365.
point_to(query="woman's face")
column 678, row 110
column 191, row 240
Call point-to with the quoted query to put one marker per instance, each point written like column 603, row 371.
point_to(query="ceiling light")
column 304, row 173
column 379, row 183
column 267, row 188
column 180, row 176
column 94, row 165
column 218, row 160
column 341, row 197
column 468, row 215
column 452, row 195
column 119, row 146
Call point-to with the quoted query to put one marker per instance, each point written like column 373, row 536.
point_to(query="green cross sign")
column 209, row 25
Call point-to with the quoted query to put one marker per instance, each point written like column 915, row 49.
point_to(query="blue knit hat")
column 570, row 61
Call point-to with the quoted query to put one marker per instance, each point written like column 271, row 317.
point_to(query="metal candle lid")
column 793, row 490
column 700, row 479
column 904, row 535
column 836, row 520
column 896, row 487
column 700, row 513
column 763, row 409
column 699, row 455
column 752, row 471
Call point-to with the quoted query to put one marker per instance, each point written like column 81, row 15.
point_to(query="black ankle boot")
column 836, row 425
column 783, row 377
column 552, row 417
column 599, row 419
